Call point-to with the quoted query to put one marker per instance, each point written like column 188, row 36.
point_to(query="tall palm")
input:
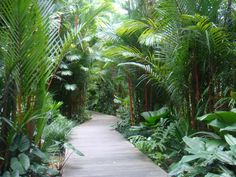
column 30, row 53
column 71, row 86
column 186, row 47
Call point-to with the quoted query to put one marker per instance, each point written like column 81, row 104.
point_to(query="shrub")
column 57, row 131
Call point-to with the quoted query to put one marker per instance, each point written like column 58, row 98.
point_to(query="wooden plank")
column 107, row 153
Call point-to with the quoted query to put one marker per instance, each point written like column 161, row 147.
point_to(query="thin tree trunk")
column 146, row 97
column 76, row 23
column 19, row 108
column 131, row 101
column 30, row 125
column 151, row 100
column 197, row 82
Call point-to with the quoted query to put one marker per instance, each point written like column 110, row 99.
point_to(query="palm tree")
column 185, row 48
column 31, row 50
column 72, row 75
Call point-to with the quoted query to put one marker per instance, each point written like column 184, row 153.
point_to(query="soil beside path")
column 107, row 153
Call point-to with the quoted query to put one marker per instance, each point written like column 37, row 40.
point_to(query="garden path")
column 107, row 153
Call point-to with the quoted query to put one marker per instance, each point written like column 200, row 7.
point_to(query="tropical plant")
column 57, row 132
column 222, row 121
column 31, row 50
column 152, row 117
column 174, row 37
column 207, row 157
column 71, row 81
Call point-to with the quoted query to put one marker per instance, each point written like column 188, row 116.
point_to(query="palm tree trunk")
column 146, row 98
column 197, row 82
column 131, row 101
column 19, row 108
column 76, row 23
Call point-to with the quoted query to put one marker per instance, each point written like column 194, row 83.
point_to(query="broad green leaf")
column 233, row 150
column 212, row 175
column 189, row 158
column 153, row 116
column 230, row 128
column 195, row 144
column 233, row 110
column 16, row 165
column 212, row 145
column 217, row 124
column 223, row 116
column 24, row 144
column 24, row 160
column 37, row 152
column 178, row 168
column 231, row 140
column 71, row 147
column 226, row 157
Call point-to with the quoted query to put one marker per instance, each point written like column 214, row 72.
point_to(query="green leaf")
column 233, row 110
column 16, row 165
column 226, row 157
column 71, row 87
column 15, row 174
column 37, row 152
column 231, row 128
column 52, row 172
column 21, row 142
column 24, row 143
column 223, row 116
column 66, row 73
column 223, row 121
column 71, row 147
column 230, row 140
column 38, row 169
column 195, row 144
column 212, row 145
column 178, row 168
column 189, row 158
column 24, row 160
column 154, row 116
column 6, row 174
column 217, row 124
column 212, row 175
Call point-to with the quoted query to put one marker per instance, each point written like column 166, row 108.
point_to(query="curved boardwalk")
column 107, row 153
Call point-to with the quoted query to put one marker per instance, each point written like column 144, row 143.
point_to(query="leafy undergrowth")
column 56, row 135
column 184, row 152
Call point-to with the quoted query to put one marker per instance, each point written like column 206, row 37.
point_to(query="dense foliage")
column 180, row 54
column 165, row 67
column 31, row 51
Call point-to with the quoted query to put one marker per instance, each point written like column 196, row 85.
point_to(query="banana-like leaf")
column 223, row 121
column 153, row 116
column 224, row 116
column 231, row 140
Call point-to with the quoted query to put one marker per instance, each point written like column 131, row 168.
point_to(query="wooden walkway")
column 107, row 153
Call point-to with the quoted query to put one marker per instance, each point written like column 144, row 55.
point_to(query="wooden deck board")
column 107, row 153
